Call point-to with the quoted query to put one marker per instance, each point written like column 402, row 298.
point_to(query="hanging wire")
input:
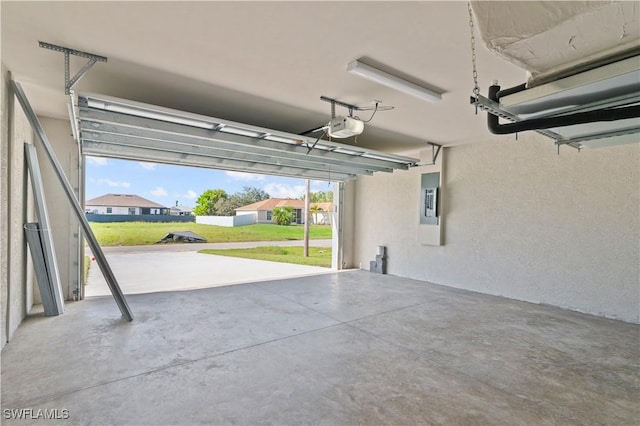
column 373, row 114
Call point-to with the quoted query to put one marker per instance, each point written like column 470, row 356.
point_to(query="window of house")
column 109, row 210
column 269, row 215
column 132, row 210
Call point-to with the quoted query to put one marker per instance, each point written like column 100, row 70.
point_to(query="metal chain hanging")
column 476, row 87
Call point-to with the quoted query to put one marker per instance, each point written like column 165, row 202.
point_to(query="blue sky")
column 167, row 184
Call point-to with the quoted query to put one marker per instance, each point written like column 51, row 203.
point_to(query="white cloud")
column 319, row 185
column 111, row 183
column 159, row 192
column 190, row 195
column 244, row 176
column 97, row 161
column 147, row 166
column 280, row 190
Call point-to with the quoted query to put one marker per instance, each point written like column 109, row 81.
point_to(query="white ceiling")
column 263, row 63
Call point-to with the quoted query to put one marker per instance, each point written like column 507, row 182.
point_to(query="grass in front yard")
column 318, row 256
column 144, row 233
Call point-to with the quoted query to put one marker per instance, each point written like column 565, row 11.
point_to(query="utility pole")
column 306, row 218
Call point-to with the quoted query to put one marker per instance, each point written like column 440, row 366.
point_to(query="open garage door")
column 125, row 129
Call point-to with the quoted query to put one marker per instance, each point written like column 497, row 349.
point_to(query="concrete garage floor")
column 340, row 348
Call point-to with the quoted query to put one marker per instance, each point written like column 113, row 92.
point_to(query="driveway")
column 181, row 247
column 170, row 267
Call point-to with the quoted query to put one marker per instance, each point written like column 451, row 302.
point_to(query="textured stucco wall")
column 4, row 202
column 16, row 209
column 521, row 222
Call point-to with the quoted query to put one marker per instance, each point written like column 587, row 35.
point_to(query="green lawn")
column 143, row 233
column 318, row 256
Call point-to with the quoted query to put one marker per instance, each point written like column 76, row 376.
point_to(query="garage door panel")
column 126, row 129
column 181, row 144
column 133, row 153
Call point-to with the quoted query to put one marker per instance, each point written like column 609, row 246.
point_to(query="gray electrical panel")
column 429, row 198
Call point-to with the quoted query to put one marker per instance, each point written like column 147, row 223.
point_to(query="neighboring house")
column 126, row 204
column 262, row 210
column 323, row 215
column 180, row 211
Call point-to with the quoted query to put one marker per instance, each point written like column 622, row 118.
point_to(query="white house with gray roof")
column 128, row 204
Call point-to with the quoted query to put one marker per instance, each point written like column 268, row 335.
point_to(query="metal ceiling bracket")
column 69, row 83
column 491, row 107
column 335, row 102
column 435, row 151
column 352, row 108
column 607, row 134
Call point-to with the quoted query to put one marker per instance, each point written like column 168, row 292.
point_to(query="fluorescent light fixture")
column 386, row 79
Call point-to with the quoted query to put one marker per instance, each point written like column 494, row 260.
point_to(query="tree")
column 314, row 210
column 320, row 197
column 282, row 215
column 227, row 206
column 206, row 202
column 249, row 195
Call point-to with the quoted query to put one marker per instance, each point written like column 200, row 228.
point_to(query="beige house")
column 128, row 204
column 262, row 210
column 323, row 215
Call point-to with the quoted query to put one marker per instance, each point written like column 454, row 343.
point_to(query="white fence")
column 230, row 221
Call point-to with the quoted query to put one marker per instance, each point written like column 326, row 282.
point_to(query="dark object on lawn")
column 182, row 237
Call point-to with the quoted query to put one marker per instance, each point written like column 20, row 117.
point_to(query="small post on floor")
column 306, row 218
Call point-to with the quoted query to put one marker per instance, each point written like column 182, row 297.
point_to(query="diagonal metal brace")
column 69, row 83
column 435, row 151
